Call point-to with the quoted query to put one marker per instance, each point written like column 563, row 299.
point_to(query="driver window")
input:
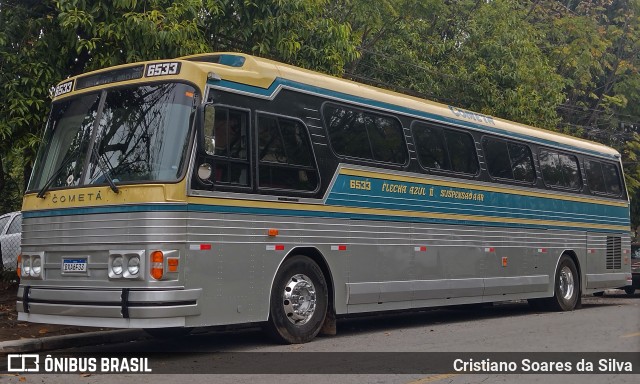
column 226, row 141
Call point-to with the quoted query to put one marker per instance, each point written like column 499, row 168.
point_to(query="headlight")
column 36, row 266
column 133, row 267
column 117, row 265
column 26, row 266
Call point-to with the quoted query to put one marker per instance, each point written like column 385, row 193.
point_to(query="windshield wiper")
column 106, row 169
column 55, row 174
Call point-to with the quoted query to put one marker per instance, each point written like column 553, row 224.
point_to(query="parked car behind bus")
column 635, row 270
column 10, row 232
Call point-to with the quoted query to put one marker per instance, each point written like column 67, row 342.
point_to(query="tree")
column 475, row 54
column 44, row 42
column 299, row 32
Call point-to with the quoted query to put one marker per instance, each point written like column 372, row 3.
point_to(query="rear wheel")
column 299, row 301
column 629, row 289
column 567, row 286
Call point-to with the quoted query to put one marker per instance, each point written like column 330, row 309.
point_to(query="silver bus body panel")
column 228, row 262
column 103, row 322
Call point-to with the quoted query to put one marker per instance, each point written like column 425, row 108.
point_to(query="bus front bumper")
column 115, row 308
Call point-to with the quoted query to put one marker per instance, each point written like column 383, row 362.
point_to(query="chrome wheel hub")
column 566, row 283
column 299, row 299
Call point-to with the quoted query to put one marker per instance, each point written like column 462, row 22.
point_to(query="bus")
column 225, row 189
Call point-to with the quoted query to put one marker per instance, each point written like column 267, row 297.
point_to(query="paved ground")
column 12, row 329
column 605, row 324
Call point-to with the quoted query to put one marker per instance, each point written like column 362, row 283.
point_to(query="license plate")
column 74, row 265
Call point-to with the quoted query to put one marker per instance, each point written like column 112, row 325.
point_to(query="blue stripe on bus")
column 269, row 92
column 288, row 213
column 106, row 209
column 471, row 202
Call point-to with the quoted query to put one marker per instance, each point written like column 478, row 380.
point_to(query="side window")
column 508, row 160
column 285, row 157
column 560, row 170
column 612, row 179
column 365, row 135
column 595, row 179
column 603, row 177
column 15, row 226
column 3, row 223
column 462, row 151
column 230, row 147
column 522, row 162
column 445, row 149
column 497, row 156
column 432, row 149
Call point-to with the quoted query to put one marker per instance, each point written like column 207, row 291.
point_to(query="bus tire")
column 299, row 301
column 566, row 287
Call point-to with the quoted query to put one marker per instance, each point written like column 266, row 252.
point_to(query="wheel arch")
column 314, row 254
column 571, row 254
column 574, row 257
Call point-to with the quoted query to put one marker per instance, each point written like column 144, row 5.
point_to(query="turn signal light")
column 19, row 266
column 173, row 264
column 157, row 264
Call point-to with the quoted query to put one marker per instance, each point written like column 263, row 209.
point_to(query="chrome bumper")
column 122, row 308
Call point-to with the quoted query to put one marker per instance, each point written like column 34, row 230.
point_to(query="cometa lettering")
column 472, row 115
column 80, row 197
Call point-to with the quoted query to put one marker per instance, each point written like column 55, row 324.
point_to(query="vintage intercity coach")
column 224, row 189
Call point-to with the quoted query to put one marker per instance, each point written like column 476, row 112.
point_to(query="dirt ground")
column 12, row 329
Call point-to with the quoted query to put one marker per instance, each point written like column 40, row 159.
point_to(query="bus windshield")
column 126, row 134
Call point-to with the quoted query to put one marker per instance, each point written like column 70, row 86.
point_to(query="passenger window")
column 522, row 162
column 365, row 135
column 612, row 179
column 508, row 160
column 497, row 156
column 462, row 152
column 560, row 170
column 432, row 149
column 445, row 149
column 603, row 178
column 285, row 156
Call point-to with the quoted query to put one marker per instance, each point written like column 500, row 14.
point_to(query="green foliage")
column 43, row 42
column 569, row 66
column 501, row 69
column 295, row 31
column 106, row 33
column 478, row 55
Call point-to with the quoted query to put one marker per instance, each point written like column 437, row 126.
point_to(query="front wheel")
column 299, row 301
column 567, row 286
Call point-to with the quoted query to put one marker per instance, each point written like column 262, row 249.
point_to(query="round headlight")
column 36, row 267
column 116, row 265
column 26, row 266
column 133, row 267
